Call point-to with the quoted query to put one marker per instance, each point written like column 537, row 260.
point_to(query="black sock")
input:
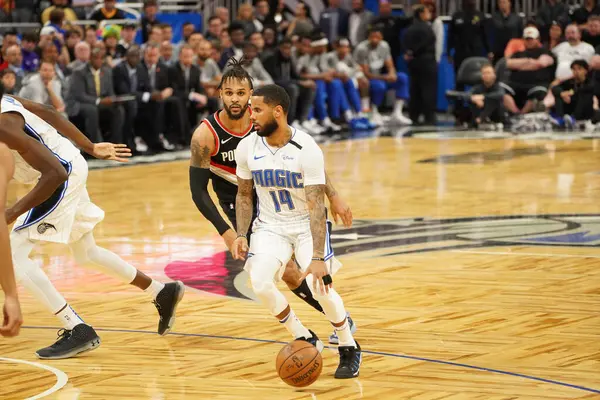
column 303, row 291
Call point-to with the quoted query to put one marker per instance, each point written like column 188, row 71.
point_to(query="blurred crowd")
column 346, row 67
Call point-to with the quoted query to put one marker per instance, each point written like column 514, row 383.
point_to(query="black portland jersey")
column 222, row 161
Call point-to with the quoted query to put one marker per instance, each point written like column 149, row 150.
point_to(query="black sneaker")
column 166, row 303
column 314, row 340
column 70, row 343
column 350, row 359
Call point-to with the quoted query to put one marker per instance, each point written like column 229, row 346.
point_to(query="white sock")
column 344, row 334
column 365, row 102
column 69, row 318
column 399, row 106
column 294, row 326
column 349, row 115
column 374, row 109
column 154, row 289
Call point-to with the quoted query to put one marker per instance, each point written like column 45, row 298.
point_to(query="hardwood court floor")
column 472, row 273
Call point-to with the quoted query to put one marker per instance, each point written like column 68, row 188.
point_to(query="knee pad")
column 264, row 270
column 81, row 252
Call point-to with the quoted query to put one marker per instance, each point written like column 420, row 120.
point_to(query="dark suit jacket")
column 342, row 24
column 177, row 79
column 273, row 65
column 162, row 76
column 122, row 82
column 82, row 88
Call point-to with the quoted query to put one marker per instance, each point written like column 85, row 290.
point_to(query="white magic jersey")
column 44, row 133
column 280, row 175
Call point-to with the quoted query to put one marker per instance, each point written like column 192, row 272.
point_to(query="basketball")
column 299, row 363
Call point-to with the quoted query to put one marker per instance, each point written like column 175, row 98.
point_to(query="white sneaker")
column 296, row 125
column 165, row 143
column 140, row 145
column 376, row 119
column 327, row 123
column 311, row 127
column 400, row 118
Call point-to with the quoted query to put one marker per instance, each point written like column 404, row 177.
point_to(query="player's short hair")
column 487, row 65
column 376, row 28
column 274, row 95
column 235, row 26
column 235, row 70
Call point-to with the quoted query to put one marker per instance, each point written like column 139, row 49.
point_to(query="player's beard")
column 267, row 129
column 237, row 116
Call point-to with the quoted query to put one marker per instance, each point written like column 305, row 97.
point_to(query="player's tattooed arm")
column 203, row 145
column 244, row 205
column 330, row 191
column 315, row 197
column 338, row 207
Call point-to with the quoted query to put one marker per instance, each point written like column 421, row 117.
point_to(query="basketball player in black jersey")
column 213, row 158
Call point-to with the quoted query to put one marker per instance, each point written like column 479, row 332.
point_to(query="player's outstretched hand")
column 318, row 269
column 12, row 317
column 111, row 151
column 239, row 249
column 340, row 211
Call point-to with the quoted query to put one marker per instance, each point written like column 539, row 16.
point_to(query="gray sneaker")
column 333, row 338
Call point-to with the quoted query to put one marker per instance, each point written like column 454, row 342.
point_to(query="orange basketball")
column 299, row 363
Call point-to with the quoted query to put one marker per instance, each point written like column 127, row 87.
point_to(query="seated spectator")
column 507, row 25
column 167, row 32
column 9, row 80
column 282, row 17
column 574, row 98
column 555, row 38
column 57, row 21
column 10, row 39
column 72, row 37
column 155, row 36
column 591, row 34
column 50, row 35
column 82, row 57
column 257, row 40
column 518, row 44
column 254, row 66
column 571, row 50
column 90, row 100
column 108, row 12
column 223, row 14
column 270, row 38
column 194, row 41
column 44, row 88
column 13, row 60
column 31, row 59
column 263, row 13
column 225, row 40
column 236, row 32
column 532, row 71
column 150, row 10
column 50, row 54
column 166, row 53
column 359, row 22
column 582, row 14
column 111, row 39
column 302, row 24
column 345, row 68
column 487, row 98
column 550, row 11
column 210, row 73
column 375, row 58
column 127, row 39
column 302, row 92
column 91, row 35
column 217, row 52
column 62, row 5
column 215, row 27
column 246, row 18
column 187, row 31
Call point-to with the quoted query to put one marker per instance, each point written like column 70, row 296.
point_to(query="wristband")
column 318, row 259
column 242, row 235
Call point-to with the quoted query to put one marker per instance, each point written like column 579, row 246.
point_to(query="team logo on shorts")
column 221, row 274
column 44, row 226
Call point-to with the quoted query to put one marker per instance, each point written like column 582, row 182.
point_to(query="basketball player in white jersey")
column 287, row 169
column 12, row 310
column 66, row 215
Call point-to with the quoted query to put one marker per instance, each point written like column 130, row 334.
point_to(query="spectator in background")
column 467, row 35
column 108, row 12
column 254, row 66
column 532, row 71
column 166, row 53
column 419, row 42
column 582, row 14
column 44, row 88
column 155, row 37
column 194, row 42
column 217, row 52
column 391, row 26
column 150, row 10
column 375, row 58
column 215, row 27
column 62, row 5
column 302, row 92
column 518, row 44
column 555, row 37
column 270, row 38
column 574, row 98
column 127, row 39
column 91, row 35
column 257, row 40
column 210, row 73
column 90, row 98
column 82, row 57
column 507, row 25
column 282, row 17
column 187, row 31
column 50, row 54
column 246, row 18
column 438, row 29
column 487, row 98
column 14, row 62
column 9, row 80
column 571, row 50
column 31, row 58
column 10, row 39
column 111, row 39
column 263, row 13
column 72, row 37
column 334, row 21
column 223, row 14
column 592, row 34
column 167, row 32
column 236, row 32
column 550, row 11
column 57, row 21
column 302, row 24
column 49, row 35
column 359, row 22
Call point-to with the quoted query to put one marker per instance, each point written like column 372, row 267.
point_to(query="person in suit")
column 334, row 21
column 91, row 99
column 358, row 22
column 185, row 80
column 236, row 32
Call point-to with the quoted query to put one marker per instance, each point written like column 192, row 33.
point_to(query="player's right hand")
column 229, row 237
column 12, row 317
column 239, row 249
column 318, row 269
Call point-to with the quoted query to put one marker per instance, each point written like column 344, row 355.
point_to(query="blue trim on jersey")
column 328, row 247
column 50, row 203
column 268, row 148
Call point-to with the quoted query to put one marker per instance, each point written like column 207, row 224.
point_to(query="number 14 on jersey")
column 282, row 197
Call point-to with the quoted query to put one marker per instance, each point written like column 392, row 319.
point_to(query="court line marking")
column 514, row 253
column 61, row 377
column 379, row 353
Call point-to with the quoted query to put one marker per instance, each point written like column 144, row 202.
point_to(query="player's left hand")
column 111, row 151
column 318, row 269
column 239, row 249
column 340, row 210
column 13, row 319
